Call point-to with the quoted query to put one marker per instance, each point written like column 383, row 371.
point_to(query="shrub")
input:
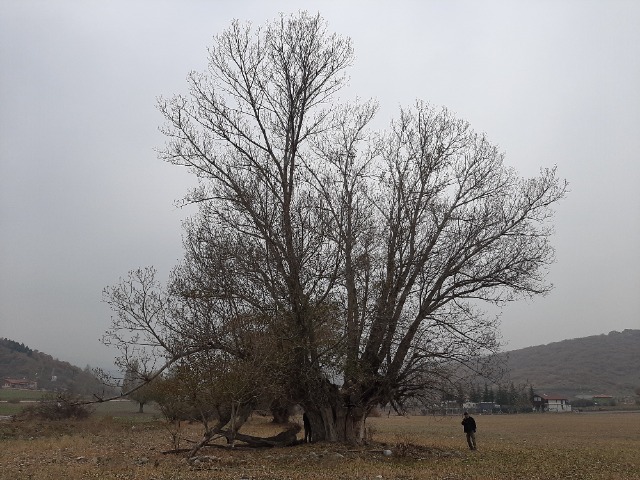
column 58, row 406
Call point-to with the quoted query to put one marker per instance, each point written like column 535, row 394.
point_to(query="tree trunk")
column 337, row 424
column 281, row 411
column 141, row 407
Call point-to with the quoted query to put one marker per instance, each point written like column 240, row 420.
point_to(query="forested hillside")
column 19, row 361
column 601, row 364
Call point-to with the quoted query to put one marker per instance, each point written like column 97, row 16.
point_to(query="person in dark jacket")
column 307, row 428
column 469, row 425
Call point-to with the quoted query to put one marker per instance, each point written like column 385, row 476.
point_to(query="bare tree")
column 198, row 361
column 364, row 257
column 136, row 382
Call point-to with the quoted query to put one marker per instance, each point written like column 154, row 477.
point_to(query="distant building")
column 20, row 384
column 603, row 399
column 487, row 407
column 551, row 403
column 469, row 406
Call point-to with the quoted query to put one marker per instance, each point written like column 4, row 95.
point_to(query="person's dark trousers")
column 471, row 440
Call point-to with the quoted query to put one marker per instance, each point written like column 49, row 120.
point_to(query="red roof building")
column 20, row 384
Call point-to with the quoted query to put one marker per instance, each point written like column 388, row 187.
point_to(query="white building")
column 551, row 403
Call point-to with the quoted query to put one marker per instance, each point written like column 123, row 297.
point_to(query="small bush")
column 58, row 406
column 402, row 445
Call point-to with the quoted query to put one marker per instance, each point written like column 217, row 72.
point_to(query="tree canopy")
column 354, row 263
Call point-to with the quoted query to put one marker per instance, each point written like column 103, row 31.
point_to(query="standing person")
column 469, row 425
column 307, row 428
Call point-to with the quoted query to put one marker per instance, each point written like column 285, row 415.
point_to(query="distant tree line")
column 15, row 346
column 509, row 396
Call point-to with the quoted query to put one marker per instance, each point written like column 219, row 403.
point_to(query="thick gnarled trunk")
column 337, row 423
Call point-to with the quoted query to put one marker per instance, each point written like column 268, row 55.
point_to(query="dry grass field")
column 124, row 445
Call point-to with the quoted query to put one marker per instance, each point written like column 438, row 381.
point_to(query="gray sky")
column 83, row 198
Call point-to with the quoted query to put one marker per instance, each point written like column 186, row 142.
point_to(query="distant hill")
column 19, row 361
column 601, row 364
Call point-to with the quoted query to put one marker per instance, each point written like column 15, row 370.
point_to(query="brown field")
column 119, row 444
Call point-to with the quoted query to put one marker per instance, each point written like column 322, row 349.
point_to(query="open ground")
column 116, row 443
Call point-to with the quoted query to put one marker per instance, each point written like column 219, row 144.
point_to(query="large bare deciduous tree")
column 363, row 258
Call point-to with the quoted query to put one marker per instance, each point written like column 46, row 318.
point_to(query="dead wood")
column 283, row 439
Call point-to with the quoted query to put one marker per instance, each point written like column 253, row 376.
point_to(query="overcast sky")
column 83, row 198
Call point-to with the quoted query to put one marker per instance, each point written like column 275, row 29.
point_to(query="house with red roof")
column 20, row 384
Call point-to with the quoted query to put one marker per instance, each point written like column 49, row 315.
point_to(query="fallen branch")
column 283, row 439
